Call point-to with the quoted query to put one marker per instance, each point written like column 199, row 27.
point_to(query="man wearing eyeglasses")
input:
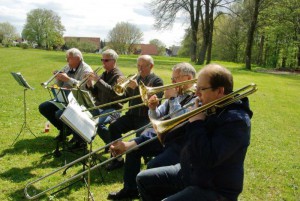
column 165, row 155
column 101, row 88
column 137, row 117
column 212, row 161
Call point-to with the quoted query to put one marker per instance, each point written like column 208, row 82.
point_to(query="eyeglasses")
column 106, row 60
column 201, row 89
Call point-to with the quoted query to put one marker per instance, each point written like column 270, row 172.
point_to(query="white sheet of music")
column 79, row 121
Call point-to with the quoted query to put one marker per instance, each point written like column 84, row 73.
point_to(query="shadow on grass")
column 41, row 146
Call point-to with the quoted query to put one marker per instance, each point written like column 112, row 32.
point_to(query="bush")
column 24, row 45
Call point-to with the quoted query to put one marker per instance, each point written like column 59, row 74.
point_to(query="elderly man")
column 167, row 155
column 136, row 117
column 70, row 77
column 101, row 88
column 211, row 165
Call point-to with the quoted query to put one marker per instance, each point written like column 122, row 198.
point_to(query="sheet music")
column 80, row 122
column 21, row 80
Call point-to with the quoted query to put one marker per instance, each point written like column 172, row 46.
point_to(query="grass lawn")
column 272, row 166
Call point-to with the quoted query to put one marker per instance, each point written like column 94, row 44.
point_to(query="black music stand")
column 82, row 123
column 21, row 81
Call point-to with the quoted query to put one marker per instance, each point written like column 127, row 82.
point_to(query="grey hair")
column 75, row 53
column 147, row 58
column 111, row 53
column 185, row 69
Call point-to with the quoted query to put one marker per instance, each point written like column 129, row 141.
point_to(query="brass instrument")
column 84, row 80
column 161, row 127
column 45, row 84
column 145, row 92
column 120, row 88
column 91, row 154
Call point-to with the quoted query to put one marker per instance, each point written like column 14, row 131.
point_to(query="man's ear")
column 221, row 91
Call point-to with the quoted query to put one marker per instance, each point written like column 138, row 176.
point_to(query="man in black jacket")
column 136, row 117
column 212, row 160
column 101, row 88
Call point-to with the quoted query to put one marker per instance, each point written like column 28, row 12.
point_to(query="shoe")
column 78, row 145
column 123, row 194
column 115, row 164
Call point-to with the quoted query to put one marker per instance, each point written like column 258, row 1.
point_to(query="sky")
column 94, row 18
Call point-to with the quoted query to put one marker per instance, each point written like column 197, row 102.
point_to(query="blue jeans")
column 102, row 130
column 165, row 183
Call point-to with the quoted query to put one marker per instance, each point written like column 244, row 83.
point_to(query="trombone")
column 161, row 127
column 144, row 93
column 45, row 84
column 28, row 196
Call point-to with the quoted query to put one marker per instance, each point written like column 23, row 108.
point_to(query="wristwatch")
column 171, row 98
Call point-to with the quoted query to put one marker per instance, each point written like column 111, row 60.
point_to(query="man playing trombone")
column 68, row 77
column 135, row 117
column 101, row 88
column 177, row 98
column 211, row 165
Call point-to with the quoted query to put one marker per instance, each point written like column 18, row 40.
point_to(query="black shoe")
column 115, row 164
column 123, row 194
column 78, row 145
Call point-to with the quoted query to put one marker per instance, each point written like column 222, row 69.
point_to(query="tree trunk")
column 206, row 30
column 250, row 35
column 261, row 50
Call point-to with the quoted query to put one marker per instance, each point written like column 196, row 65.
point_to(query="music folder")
column 21, row 80
column 80, row 122
column 83, row 97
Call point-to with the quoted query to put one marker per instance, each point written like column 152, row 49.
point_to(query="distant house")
column 142, row 49
column 93, row 40
column 172, row 51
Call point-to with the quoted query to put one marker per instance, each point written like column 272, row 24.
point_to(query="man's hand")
column 62, row 77
column 132, row 84
column 200, row 116
column 153, row 102
column 119, row 147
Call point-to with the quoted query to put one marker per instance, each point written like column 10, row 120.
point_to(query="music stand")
column 21, row 81
column 82, row 123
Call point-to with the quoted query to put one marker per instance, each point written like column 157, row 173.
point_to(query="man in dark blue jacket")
column 211, row 166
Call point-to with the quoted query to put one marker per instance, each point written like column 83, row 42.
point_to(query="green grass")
column 272, row 166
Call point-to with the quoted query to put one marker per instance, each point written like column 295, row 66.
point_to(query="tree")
column 124, row 36
column 8, row 33
column 44, row 28
column 161, row 47
column 165, row 13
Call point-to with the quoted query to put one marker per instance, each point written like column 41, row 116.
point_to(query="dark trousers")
column 126, row 123
column 165, row 183
column 163, row 157
column 51, row 112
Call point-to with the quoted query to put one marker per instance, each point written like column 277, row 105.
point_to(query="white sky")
column 93, row 18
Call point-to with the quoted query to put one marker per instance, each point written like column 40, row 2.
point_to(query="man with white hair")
column 69, row 77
